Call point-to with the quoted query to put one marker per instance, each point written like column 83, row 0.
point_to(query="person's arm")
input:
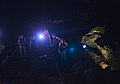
column 55, row 37
column 52, row 44
column 30, row 44
column 66, row 45
column 19, row 41
column 52, row 41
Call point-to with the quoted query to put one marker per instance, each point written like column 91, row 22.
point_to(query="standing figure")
column 2, row 46
column 22, row 45
column 33, row 44
column 55, row 45
column 63, row 48
column 2, row 56
column 47, row 36
column 44, row 43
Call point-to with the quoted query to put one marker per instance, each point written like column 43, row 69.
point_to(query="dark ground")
column 34, row 69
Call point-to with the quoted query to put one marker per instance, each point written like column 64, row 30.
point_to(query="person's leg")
column 61, row 54
column 64, row 54
column 21, row 50
column 24, row 50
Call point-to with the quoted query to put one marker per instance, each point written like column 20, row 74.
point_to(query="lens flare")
column 41, row 36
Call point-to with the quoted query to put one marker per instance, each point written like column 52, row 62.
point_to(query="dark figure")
column 33, row 45
column 22, row 45
column 2, row 47
column 3, row 57
column 55, row 44
column 54, row 47
column 44, row 44
column 63, row 49
column 47, row 36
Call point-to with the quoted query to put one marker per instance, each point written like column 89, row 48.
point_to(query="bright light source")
column 84, row 46
column 41, row 36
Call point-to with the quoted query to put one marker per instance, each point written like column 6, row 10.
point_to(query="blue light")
column 72, row 49
column 41, row 36
column 84, row 46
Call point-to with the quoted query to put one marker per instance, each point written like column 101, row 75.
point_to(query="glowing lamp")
column 41, row 36
column 84, row 46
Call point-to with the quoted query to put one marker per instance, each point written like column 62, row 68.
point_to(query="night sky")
column 78, row 16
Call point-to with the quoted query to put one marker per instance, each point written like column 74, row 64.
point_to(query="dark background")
column 78, row 17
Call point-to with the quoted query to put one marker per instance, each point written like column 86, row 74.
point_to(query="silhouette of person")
column 22, row 45
column 33, row 45
column 63, row 49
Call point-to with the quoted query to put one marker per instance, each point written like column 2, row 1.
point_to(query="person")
column 33, row 45
column 22, row 45
column 44, row 44
column 3, row 57
column 47, row 35
column 55, row 40
column 2, row 46
column 55, row 44
column 63, row 49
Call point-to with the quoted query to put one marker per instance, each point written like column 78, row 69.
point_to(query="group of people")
column 42, row 46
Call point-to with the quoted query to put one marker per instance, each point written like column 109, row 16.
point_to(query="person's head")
column 62, row 40
column 21, row 36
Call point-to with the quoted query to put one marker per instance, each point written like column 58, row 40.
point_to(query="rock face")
column 105, row 55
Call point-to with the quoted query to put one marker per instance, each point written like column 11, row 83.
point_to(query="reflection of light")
column 72, row 49
column 41, row 36
column 84, row 46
